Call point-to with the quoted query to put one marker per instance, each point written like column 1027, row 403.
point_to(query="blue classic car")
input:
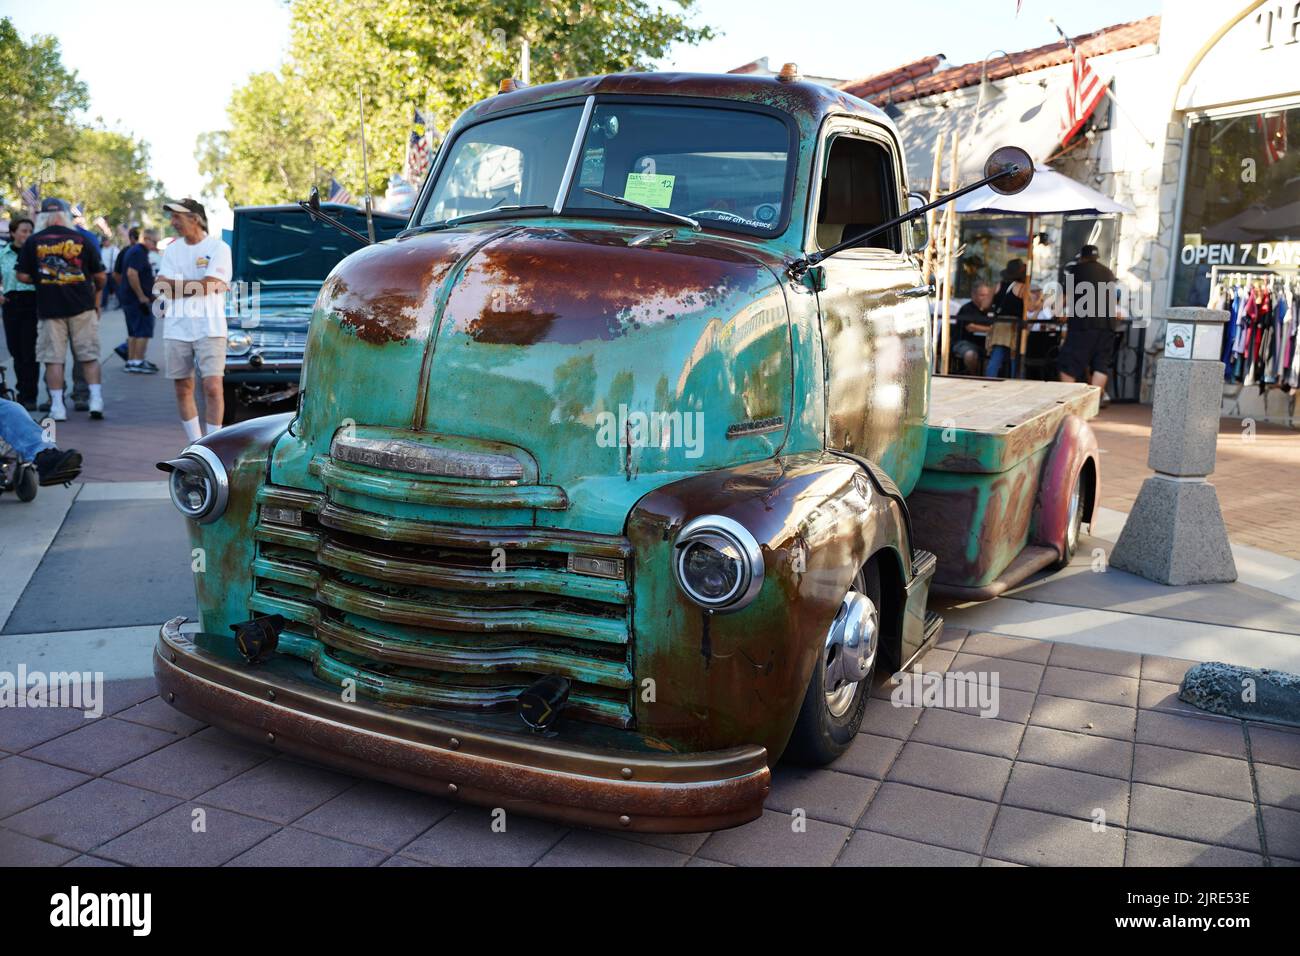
column 281, row 256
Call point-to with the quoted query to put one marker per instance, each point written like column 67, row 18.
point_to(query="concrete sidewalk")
column 1091, row 760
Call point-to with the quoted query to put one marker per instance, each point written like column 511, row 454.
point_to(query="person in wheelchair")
column 25, row 437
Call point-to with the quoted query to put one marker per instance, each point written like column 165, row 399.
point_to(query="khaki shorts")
column 207, row 355
column 52, row 336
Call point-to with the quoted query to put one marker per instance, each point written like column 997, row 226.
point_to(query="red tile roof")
column 1121, row 36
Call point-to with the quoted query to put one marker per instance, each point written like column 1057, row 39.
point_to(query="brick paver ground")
column 1255, row 474
column 1082, row 738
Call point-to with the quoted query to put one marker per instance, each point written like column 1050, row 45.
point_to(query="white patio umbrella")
column 1049, row 193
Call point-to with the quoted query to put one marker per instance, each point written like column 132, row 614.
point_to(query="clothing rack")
column 1229, row 274
column 1246, row 272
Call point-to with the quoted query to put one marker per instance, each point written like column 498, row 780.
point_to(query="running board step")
column 933, row 625
column 923, row 564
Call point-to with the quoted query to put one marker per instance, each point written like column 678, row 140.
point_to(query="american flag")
column 31, row 195
column 418, row 154
column 1272, row 128
column 339, row 194
column 1085, row 92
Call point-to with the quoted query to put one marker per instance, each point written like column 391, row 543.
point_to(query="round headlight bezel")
column 238, row 342
column 204, row 464
column 715, row 531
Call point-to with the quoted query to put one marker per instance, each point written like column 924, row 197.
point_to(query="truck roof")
column 811, row 100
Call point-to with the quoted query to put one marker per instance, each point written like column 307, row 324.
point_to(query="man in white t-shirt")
column 192, row 281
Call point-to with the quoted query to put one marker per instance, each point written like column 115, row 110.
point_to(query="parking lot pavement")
column 1090, row 760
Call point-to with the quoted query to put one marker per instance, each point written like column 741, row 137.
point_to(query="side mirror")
column 1002, row 159
column 920, row 228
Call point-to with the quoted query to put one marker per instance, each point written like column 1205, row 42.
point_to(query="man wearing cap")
column 192, row 281
column 68, row 275
column 1091, row 295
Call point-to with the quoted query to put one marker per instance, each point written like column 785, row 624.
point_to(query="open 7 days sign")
column 1282, row 253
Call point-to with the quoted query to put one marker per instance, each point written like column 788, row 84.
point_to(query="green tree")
column 38, row 97
column 294, row 129
column 270, row 152
column 108, row 174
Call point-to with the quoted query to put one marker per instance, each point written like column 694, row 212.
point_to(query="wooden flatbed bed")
column 976, row 503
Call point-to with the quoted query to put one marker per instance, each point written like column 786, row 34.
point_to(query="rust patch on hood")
column 384, row 293
column 566, row 287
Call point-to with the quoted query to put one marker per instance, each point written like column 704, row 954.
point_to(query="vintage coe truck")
column 616, row 476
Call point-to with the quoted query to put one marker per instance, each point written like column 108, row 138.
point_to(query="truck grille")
column 446, row 616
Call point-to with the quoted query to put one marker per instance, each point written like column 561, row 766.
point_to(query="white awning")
column 1049, row 192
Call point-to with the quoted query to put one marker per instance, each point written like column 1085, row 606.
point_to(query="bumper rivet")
column 624, row 820
column 170, row 697
column 452, row 788
column 454, row 743
column 270, row 695
column 627, row 773
column 270, row 737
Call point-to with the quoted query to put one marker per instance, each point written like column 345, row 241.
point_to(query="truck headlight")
column 198, row 483
column 718, row 563
column 238, row 342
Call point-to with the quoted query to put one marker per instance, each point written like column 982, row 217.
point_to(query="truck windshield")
column 724, row 167
column 513, row 161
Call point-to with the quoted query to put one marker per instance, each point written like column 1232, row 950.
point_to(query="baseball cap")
column 1088, row 252
column 191, row 206
column 54, row 204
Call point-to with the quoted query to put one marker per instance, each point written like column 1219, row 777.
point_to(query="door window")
column 858, row 191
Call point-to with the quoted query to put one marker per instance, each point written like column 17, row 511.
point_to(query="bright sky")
column 114, row 46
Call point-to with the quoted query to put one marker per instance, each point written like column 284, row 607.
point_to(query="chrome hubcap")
column 850, row 650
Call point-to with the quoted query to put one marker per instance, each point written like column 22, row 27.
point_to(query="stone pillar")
column 1175, row 532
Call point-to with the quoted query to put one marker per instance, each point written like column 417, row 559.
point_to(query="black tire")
column 28, row 483
column 1079, row 493
column 819, row 736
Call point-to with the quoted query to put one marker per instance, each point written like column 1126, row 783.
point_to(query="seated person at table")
column 973, row 324
column 1008, row 301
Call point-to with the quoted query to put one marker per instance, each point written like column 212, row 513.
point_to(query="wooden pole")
column 1029, row 279
column 950, row 213
column 931, row 217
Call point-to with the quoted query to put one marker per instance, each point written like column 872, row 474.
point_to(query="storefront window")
column 1241, row 198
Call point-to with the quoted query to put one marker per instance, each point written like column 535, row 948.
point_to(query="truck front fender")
column 1074, row 452
column 707, row 680
column 223, row 551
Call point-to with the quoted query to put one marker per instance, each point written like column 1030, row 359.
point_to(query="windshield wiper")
column 471, row 216
column 684, row 220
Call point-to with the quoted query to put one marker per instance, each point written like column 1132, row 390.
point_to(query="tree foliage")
column 38, row 98
column 292, row 129
column 108, row 175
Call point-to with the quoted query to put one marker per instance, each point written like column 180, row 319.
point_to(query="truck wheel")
column 1074, row 523
column 841, row 681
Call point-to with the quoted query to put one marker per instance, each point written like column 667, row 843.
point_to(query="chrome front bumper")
column 535, row 775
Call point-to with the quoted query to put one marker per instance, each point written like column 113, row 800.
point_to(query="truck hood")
column 602, row 369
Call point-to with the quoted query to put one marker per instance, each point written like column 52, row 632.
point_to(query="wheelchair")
column 16, row 475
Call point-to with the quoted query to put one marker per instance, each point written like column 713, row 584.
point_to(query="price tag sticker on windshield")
column 650, row 189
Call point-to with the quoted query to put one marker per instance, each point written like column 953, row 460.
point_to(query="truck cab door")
column 874, row 312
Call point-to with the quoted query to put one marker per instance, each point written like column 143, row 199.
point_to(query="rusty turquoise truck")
column 619, row 473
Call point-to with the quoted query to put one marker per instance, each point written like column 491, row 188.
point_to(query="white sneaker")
column 59, row 412
column 97, row 406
